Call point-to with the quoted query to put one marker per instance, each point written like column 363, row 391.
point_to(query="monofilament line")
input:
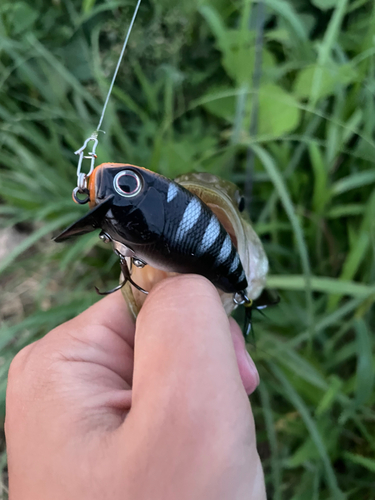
column 118, row 65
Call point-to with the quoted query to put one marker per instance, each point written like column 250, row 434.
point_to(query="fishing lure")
column 154, row 220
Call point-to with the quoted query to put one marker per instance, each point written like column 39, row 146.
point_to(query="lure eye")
column 127, row 183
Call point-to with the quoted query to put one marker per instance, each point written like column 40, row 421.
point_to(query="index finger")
column 110, row 313
column 102, row 335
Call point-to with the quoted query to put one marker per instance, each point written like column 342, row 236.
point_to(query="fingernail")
column 255, row 375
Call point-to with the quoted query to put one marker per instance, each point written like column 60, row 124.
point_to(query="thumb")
column 184, row 352
column 190, row 425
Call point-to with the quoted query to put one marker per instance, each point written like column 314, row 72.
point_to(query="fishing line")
column 81, row 176
column 118, row 65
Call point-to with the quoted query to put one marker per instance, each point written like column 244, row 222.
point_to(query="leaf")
column 330, row 396
column 325, row 49
column 325, row 4
column 331, row 78
column 320, row 195
column 272, row 439
column 21, row 17
column 308, row 485
column 281, row 187
column 237, row 47
column 221, row 102
column 87, row 6
column 332, row 32
column 321, row 284
column 217, row 26
column 316, row 437
column 308, row 451
column 368, row 463
column 304, row 454
column 359, row 246
column 286, row 11
column 278, row 115
column 351, row 209
column 353, row 181
column 365, row 366
column 239, row 58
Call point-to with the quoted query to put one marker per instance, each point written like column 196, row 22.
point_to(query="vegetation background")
column 183, row 102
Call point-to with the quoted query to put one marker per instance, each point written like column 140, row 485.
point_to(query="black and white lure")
column 154, row 220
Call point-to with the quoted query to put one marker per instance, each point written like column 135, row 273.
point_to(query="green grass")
column 183, row 102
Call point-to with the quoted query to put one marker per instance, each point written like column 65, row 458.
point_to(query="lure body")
column 161, row 223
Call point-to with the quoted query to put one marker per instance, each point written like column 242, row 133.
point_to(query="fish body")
column 160, row 223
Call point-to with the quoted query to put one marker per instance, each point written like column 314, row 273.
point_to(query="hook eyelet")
column 80, row 201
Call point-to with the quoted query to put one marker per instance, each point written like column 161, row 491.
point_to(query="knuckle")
column 18, row 381
column 19, row 362
column 25, row 366
column 26, row 375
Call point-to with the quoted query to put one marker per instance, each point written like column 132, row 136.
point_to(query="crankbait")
column 224, row 200
column 152, row 220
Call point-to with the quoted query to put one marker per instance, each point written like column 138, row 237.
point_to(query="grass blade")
column 280, row 186
column 299, row 404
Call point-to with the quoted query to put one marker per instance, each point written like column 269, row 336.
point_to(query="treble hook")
column 127, row 277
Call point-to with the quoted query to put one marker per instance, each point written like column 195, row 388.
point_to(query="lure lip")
column 88, row 223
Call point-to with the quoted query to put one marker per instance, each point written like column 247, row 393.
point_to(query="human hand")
column 96, row 413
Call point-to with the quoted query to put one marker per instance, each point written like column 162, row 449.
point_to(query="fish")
column 159, row 227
